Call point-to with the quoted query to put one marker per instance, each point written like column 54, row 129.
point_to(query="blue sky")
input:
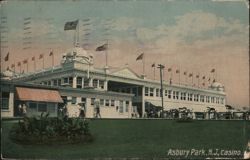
column 193, row 36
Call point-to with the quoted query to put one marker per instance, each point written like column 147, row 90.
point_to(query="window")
column 121, row 107
column 217, row 100
column 166, row 93
column 174, row 95
column 32, row 106
column 59, row 82
column 55, row 83
column 51, row 108
column 202, row 98
column 101, row 84
column 66, row 80
column 134, row 91
column 86, row 82
column 212, row 99
column 190, row 97
column 95, row 83
column 146, row 91
column 128, row 90
column 127, row 106
column 183, row 96
column 221, row 100
column 107, row 102
column 139, row 91
column 92, row 101
column 112, row 103
column 79, row 82
column 196, row 97
column 49, row 83
column 208, row 99
column 169, row 94
column 42, row 107
column 151, row 92
column 102, row 102
column 5, row 100
column 157, row 92
column 73, row 100
column 71, row 81
column 177, row 94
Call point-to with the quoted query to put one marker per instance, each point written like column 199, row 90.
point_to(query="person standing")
column 24, row 109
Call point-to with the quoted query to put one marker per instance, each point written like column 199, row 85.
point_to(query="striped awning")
column 41, row 95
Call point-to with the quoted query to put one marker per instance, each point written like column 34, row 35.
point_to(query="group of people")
column 22, row 109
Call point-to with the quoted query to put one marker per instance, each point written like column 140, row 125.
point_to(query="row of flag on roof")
column 25, row 61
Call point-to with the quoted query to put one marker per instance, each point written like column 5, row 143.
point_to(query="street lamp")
column 161, row 67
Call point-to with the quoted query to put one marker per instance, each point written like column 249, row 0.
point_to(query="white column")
column 11, row 104
column 82, row 82
column 74, row 81
column 105, row 85
column 143, row 101
column 91, row 82
column 97, row 83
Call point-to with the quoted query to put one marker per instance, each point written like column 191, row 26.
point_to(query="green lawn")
column 139, row 138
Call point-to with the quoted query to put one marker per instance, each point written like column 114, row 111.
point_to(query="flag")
column 6, row 58
column 50, row 53
column 203, row 77
column 33, row 58
column 185, row 73
column 25, row 61
column 102, row 47
column 19, row 64
column 208, row 79
column 213, row 70
column 140, row 57
column 169, row 69
column 153, row 65
column 213, row 80
column 177, row 71
column 191, row 75
column 70, row 25
column 41, row 56
column 197, row 76
column 13, row 65
column 203, row 84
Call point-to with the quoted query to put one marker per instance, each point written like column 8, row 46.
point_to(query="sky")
column 192, row 36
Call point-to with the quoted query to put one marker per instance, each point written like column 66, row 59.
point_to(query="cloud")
column 197, row 28
column 123, row 23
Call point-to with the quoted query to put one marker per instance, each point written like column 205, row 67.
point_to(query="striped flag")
column 51, row 53
column 25, row 61
column 197, row 76
column 169, row 69
column 140, row 57
column 203, row 77
column 6, row 58
column 40, row 56
column 213, row 70
column 33, row 58
column 70, row 25
column 102, row 47
column 19, row 64
column 191, row 75
column 153, row 65
column 177, row 71
column 185, row 73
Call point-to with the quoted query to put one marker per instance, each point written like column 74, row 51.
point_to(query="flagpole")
column 43, row 61
column 34, row 65
column 154, row 71
column 27, row 66
column 106, row 54
column 143, row 65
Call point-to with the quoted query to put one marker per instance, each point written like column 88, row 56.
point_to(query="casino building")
column 120, row 93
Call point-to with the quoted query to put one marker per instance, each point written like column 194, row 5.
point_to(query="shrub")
column 47, row 130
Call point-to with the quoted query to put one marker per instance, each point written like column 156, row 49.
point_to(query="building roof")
column 40, row 95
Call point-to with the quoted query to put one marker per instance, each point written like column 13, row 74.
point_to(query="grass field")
column 139, row 138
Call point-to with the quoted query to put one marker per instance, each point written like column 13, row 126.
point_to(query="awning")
column 41, row 95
